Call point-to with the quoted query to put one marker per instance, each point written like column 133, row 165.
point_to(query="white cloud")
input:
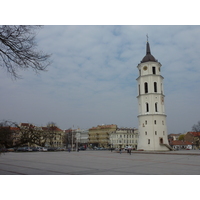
column 92, row 79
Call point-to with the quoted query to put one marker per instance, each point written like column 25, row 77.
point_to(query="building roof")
column 104, row 127
column 14, row 128
column 196, row 134
column 24, row 124
column 148, row 56
column 52, row 128
column 178, row 142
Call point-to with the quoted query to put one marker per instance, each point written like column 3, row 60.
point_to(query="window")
column 139, row 89
column 154, row 121
column 148, row 141
column 145, row 132
column 162, row 122
column 146, row 87
column 146, row 122
column 155, row 132
column 155, row 87
column 154, row 70
column 147, row 107
column 156, row 107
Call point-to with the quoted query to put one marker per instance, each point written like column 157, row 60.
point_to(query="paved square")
column 99, row 163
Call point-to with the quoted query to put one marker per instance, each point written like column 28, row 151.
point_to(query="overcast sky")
column 92, row 79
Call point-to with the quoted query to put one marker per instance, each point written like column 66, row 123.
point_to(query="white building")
column 152, row 118
column 123, row 137
column 81, row 137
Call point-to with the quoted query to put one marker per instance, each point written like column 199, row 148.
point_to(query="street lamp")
column 72, row 139
column 77, row 137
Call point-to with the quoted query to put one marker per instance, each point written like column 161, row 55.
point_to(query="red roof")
column 195, row 133
column 14, row 128
column 178, row 142
column 68, row 131
column 24, row 124
column 52, row 128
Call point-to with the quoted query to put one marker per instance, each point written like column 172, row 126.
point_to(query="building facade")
column 123, row 137
column 152, row 118
column 82, row 138
column 100, row 136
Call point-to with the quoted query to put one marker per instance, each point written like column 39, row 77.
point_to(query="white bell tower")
column 152, row 118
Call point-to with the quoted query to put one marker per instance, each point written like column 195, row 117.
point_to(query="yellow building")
column 99, row 136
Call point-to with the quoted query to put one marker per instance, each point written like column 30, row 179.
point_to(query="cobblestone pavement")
column 100, row 163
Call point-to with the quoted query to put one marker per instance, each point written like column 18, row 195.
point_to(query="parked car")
column 42, row 149
column 34, row 149
column 21, row 149
column 100, row 148
column 82, row 148
column 51, row 149
column 28, row 149
column 60, row 149
column 10, row 150
column 128, row 147
column 189, row 147
column 111, row 149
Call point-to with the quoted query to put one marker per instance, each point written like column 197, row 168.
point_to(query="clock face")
column 145, row 68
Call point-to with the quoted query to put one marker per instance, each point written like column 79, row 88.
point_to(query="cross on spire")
column 147, row 37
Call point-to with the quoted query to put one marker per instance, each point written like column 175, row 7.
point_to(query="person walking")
column 120, row 150
column 130, row 151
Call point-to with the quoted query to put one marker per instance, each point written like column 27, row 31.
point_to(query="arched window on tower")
column 146, row 87
column 155, row 87
column 154, row 70
column 139, row 89
column 147, row 107
column 156, row 107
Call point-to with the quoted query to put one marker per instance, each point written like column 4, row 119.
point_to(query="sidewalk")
column 179, row 152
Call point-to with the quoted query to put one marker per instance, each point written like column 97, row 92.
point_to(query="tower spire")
column 148, row 51
column 148, row 57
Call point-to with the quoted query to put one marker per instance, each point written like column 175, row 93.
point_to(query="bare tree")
column 31, row 135
column 196, row 127
column 18, row 50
